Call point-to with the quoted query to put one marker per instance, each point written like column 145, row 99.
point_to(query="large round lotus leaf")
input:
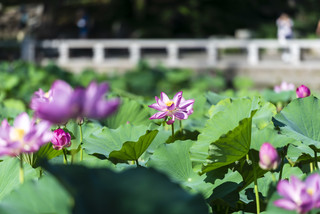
column 134, row 191
column 130, row 111
column 271, row 135
column 174, row 160
column 126, row 143
column 274, row 97
column 223, row 121
column 37, row 197
column 230, row 147
column 9, row 175
column 301, row 120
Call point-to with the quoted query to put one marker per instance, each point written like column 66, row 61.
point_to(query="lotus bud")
column 269, row 159
column 303, row 91
column 61, row 139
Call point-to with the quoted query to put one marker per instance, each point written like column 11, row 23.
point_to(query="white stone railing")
column 173, row 47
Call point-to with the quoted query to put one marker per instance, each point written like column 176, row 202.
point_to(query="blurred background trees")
column 158, row 18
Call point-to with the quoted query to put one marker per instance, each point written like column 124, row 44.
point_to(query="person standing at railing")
column 318, row 29
column 285, row 32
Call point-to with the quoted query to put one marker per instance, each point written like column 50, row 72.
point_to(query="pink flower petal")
column 158, row 115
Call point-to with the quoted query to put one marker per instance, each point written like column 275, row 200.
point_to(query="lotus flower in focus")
column 284, row 87
column 61, row 139
column 303, row 91
column 67, row 103
column 177, row 108
column 25, row 136
column 298, row 195
column 268, row 155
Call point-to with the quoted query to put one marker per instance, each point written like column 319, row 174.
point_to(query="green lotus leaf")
column 126, row 143
column 269, row 134
column 45, row 152
column 135, row 191
column 36, row 197
column 230, row 147
column 174, row 160
column 130, row 111
column 221, row 123
column 9, row 175
column 301, row 120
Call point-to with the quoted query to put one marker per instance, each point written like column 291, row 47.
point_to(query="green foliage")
column 131, row 187
column 35, row 197
column 126, row 143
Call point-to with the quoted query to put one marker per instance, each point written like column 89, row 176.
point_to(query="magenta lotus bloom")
column 268, row 155
column 94, row 105
column 298, row 195
column 63, row 104
column 25, row 136
column 61, row 139
column 303, row 91
column 66, row 103
column 40, row 97
column 284, row 87
column 177, row 108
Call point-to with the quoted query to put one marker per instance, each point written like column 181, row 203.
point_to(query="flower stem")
column 311, row 167
column 81, row 139
column 65, row 159
column 256, row 191
column 172, row 128
column 273, row 178
column 21, row 174
column 315, row 160
column 180, row 122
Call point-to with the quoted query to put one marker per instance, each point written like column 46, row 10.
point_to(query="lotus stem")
column 21, row 173
column 315, row 160
column 311, row 167
column 172, row 129
column 273, row 178
column 65, row 159
column 256, row 190
column 137, row 162
column 81, row 139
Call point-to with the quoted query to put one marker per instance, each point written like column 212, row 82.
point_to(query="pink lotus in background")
column 61, row 139
column 94, row 105
column 269, row 158
column 177, row 108
column 66, row 103
column 25, row 136
column 303, row 91
column 298, row 195
column 284, row 87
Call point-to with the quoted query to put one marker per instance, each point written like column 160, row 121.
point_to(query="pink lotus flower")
column 177, row 108
column 25, row 136
column 303, row 91
column 269, row 159
column 298, row 195
column 284, row 87
column 61, row 139
column 66, row 103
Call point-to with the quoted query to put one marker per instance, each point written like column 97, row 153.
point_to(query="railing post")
column 63, row 53
column 134, row 50
column 253, row 54
column 172, row 50
column 295, row 53
column 98, row 53
column 28, row 49
column 212, row 54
